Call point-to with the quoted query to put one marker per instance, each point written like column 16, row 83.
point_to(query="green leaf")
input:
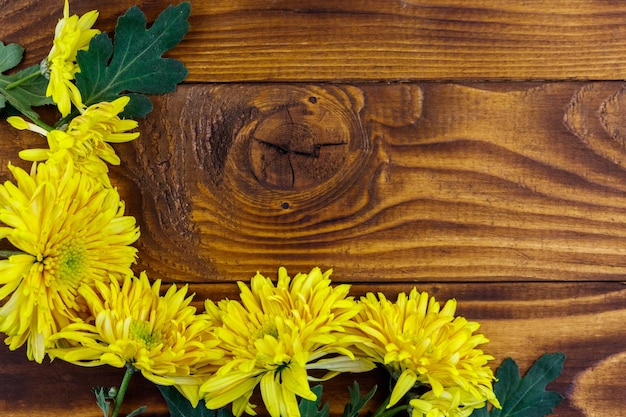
column 26, row 95
column 134, row 62
column 310, row 408
column 103, row 400
column 527, row 397
column 356, row 404
column 138, row 411
column 179, row 406
column 480, row 412
column 10, row 56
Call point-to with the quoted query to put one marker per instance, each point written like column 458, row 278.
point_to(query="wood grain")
column 396, row 182
column 369, row 40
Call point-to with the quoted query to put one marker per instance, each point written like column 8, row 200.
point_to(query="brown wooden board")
column 395, row 182
column 305, row 40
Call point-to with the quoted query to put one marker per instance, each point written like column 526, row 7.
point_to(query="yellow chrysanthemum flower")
column 161, row 336
column 85, row 142
column 423, row 345
column 71, row 35
column 73, row 232
column 275, row 336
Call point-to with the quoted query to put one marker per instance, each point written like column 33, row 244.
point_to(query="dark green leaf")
column 527, row 397
column 26, row 95
column 312, row 408
column 134, row 62
column 480, row 412
column 356, row 404
column 179, row 406
column 10, row 56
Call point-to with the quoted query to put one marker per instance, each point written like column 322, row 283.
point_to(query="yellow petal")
column 271, row 393
column 294, row 379
column 405, row 383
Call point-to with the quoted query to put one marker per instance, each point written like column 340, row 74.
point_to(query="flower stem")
column 394, row 411
column 42, row 124
column 384, row 412
column 119, row 398
column 22, row 80
column 8, row 253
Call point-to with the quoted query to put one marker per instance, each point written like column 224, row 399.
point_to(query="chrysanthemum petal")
column 271, row 393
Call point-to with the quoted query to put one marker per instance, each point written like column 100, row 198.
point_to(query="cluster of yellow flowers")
column 68, row 290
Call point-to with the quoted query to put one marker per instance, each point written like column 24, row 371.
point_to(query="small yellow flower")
column 423, row 345
column 453, row 402
column 275, row 336
column 162, row 336
column 72, row 232
column 85, row 142
column 71, row 35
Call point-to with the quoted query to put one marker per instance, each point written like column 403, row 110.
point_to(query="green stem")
column 384, row 412
column 394, row 411
column 8, row 253
column 44, row 125
column 22, row 80
column 65, row 120
column 119, row 398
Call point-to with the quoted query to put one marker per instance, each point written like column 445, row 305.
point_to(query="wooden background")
column 475, row 149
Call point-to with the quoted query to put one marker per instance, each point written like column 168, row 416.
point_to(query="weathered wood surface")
column 384, row 182
column 304, row 40
column 509, row 196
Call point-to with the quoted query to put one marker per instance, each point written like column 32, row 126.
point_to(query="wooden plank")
column 382, row 182
column 398, row 182
column 523, row 321
column 285, row 40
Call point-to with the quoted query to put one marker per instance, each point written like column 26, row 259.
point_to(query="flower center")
column 69, row 263
column 257, row 336
column 268, row 328
column 140, row 330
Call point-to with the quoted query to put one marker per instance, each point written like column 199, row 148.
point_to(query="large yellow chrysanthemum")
column 161, row 336
column 85, row 142
column 275, row 336
column 72, row 232
column 423, row 345
column 71, row 35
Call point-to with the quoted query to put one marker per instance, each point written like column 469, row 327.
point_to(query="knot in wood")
column 300, row 145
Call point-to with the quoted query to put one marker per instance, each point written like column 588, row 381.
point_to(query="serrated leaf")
column 527, row 397
column 28, row 94
column 133, row 63
column 102, row 400
column 356, row 404
column 179, row 406
column 310, row 408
